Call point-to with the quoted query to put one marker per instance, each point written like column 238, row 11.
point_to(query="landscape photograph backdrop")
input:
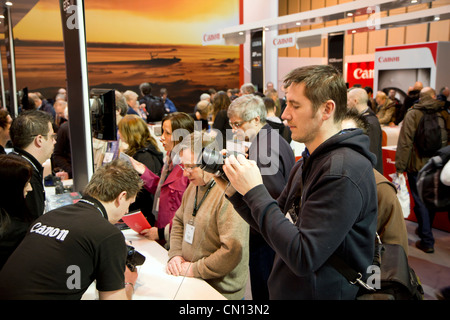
column 130, row 42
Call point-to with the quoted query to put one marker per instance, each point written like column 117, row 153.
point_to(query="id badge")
column 189, row 232
column 108, row 157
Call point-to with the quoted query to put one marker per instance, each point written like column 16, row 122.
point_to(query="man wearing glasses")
column 275, row 159
column 33, row 139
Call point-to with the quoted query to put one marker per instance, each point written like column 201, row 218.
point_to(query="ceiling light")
column 349, row 14
column 8, row 3
column 241, row 33
column 413, row 1
column 353, row 31
column 298, row 23
column 437, row 18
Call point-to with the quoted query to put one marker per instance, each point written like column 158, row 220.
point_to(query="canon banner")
column 213, row 39
column 360, row 73
column 284, row 41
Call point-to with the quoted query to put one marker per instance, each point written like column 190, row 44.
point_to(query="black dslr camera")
column 134, row 258
column 213, row 160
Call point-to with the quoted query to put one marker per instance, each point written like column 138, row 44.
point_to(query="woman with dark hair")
column 143, row 147
column 220, row 118
column 170, row 186
column 15, row 217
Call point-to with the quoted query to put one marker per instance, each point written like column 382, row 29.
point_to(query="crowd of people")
column 261, row 216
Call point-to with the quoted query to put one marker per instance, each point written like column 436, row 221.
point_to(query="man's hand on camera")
column 243, row 174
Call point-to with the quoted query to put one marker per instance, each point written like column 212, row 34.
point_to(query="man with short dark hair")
column 41, row 105
column 68, row 248
column 329, row 205
column 34, row 140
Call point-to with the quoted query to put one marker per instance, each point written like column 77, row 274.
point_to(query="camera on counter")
column 134, row 258
column 213, row 160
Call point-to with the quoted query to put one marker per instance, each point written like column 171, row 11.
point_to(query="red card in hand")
column 136, row 221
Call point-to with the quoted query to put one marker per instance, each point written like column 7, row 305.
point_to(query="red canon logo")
column 279, row 42
column 388, row 59
column 211, row 37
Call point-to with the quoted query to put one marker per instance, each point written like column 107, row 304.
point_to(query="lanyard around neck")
column 95, row 205
column 196, row 208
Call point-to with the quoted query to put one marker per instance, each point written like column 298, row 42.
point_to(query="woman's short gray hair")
column 248, row 107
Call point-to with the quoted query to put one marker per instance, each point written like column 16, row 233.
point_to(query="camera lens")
column 212, row 161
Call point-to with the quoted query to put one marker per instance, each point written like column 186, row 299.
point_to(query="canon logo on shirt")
column 48, row 231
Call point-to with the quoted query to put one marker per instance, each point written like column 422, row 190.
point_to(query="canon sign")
column 284, row 41
column 211, row 37
column 388, row 59
column 363, row 74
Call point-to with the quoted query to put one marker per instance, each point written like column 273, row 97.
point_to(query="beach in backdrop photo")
column 129, row 43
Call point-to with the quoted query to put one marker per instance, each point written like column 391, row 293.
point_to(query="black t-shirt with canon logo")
column 63, row 252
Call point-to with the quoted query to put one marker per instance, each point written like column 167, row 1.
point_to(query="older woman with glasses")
column 209, row 240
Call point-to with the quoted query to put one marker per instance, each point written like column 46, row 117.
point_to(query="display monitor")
column 103, row 114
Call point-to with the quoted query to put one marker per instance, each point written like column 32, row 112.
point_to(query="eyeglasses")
column 236, row 125
column 189, row 168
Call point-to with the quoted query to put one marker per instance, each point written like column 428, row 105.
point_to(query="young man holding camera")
column 329, row 205
column 68, row 248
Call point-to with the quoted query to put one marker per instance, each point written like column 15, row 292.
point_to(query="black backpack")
column 428, row 138
column 155, row 108
column 432, row 191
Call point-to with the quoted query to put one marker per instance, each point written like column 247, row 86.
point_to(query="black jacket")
column 334, row 198
column 375, row 137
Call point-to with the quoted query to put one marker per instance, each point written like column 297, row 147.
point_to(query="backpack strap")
column 349, row 273
column 352, row 276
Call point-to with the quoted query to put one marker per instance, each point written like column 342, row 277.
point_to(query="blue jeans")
column 424, row 215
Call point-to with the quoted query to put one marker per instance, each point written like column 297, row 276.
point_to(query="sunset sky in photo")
column 134, row 21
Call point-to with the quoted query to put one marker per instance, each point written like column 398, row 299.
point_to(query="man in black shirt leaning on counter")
column 329, row 205
column 68, row 248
